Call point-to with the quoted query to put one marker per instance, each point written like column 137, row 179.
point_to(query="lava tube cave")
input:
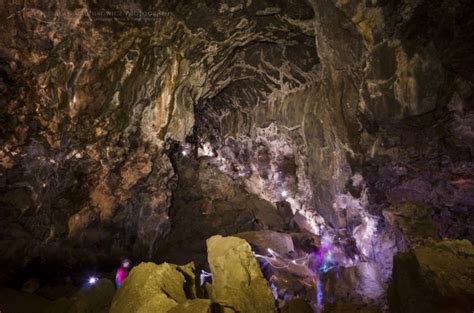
column 246, row 156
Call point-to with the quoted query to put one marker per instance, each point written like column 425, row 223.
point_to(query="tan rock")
column 193, row 306
column 150, row 288
column 238, row 282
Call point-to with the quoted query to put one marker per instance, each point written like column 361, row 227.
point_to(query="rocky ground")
column 435, row 277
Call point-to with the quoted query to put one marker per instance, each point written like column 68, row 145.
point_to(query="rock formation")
column 237, row 281
column 139, row 129
column 149, row 288
column 237, row 284
column 436, row 277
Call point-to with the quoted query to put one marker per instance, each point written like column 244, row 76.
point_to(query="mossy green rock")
column 238, row 282
column 150, row 288
column 436, row 277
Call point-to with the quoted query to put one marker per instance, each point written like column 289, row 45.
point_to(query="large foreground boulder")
column 436, row 277
column 193, row 306
column 238, row 282
column 151, row 288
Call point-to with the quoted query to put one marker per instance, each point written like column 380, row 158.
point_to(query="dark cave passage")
column 243, row 156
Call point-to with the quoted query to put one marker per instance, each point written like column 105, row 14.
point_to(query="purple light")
column 324, row 258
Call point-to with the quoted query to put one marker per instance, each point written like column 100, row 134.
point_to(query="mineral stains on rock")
column 140, row 129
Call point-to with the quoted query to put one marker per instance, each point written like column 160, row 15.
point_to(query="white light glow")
column 93, row 280
column 184, row 153
column 284, row 193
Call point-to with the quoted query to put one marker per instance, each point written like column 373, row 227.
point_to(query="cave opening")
column 240, row 156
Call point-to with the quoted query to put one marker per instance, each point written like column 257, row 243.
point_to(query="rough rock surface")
column 436, row 277
column 151, row 288
column 207, row 202
column 237, row 284
column 338, row 110
column 193, row 306
column 362, row 284
column 412, row 224
column 237, row 281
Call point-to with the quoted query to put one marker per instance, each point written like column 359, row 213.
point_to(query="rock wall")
column 338, row 109
column 94, row 93
column 385, row 117
column 83, row 131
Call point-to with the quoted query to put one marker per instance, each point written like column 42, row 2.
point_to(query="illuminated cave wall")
column 350, row 107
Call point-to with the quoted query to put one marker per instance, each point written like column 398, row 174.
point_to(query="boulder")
column 92, row 299
column 238, row 282
column 150, row 288
column 435, row 277
column 190, row 285
column 193, row 306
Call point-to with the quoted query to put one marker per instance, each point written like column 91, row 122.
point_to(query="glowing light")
column 284, row 193
column 184, row 153
column 203, row 276
column 93, row 280
column 286, row 263
column 320, row 294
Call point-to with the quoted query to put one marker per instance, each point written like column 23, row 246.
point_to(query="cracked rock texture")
column 207, row 202
column 338, row 111
column 152, row 288
column 237, row 281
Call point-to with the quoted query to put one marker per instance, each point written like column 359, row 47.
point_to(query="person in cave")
column 122, row 272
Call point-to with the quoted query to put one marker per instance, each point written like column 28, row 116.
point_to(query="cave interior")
column 244, row 155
